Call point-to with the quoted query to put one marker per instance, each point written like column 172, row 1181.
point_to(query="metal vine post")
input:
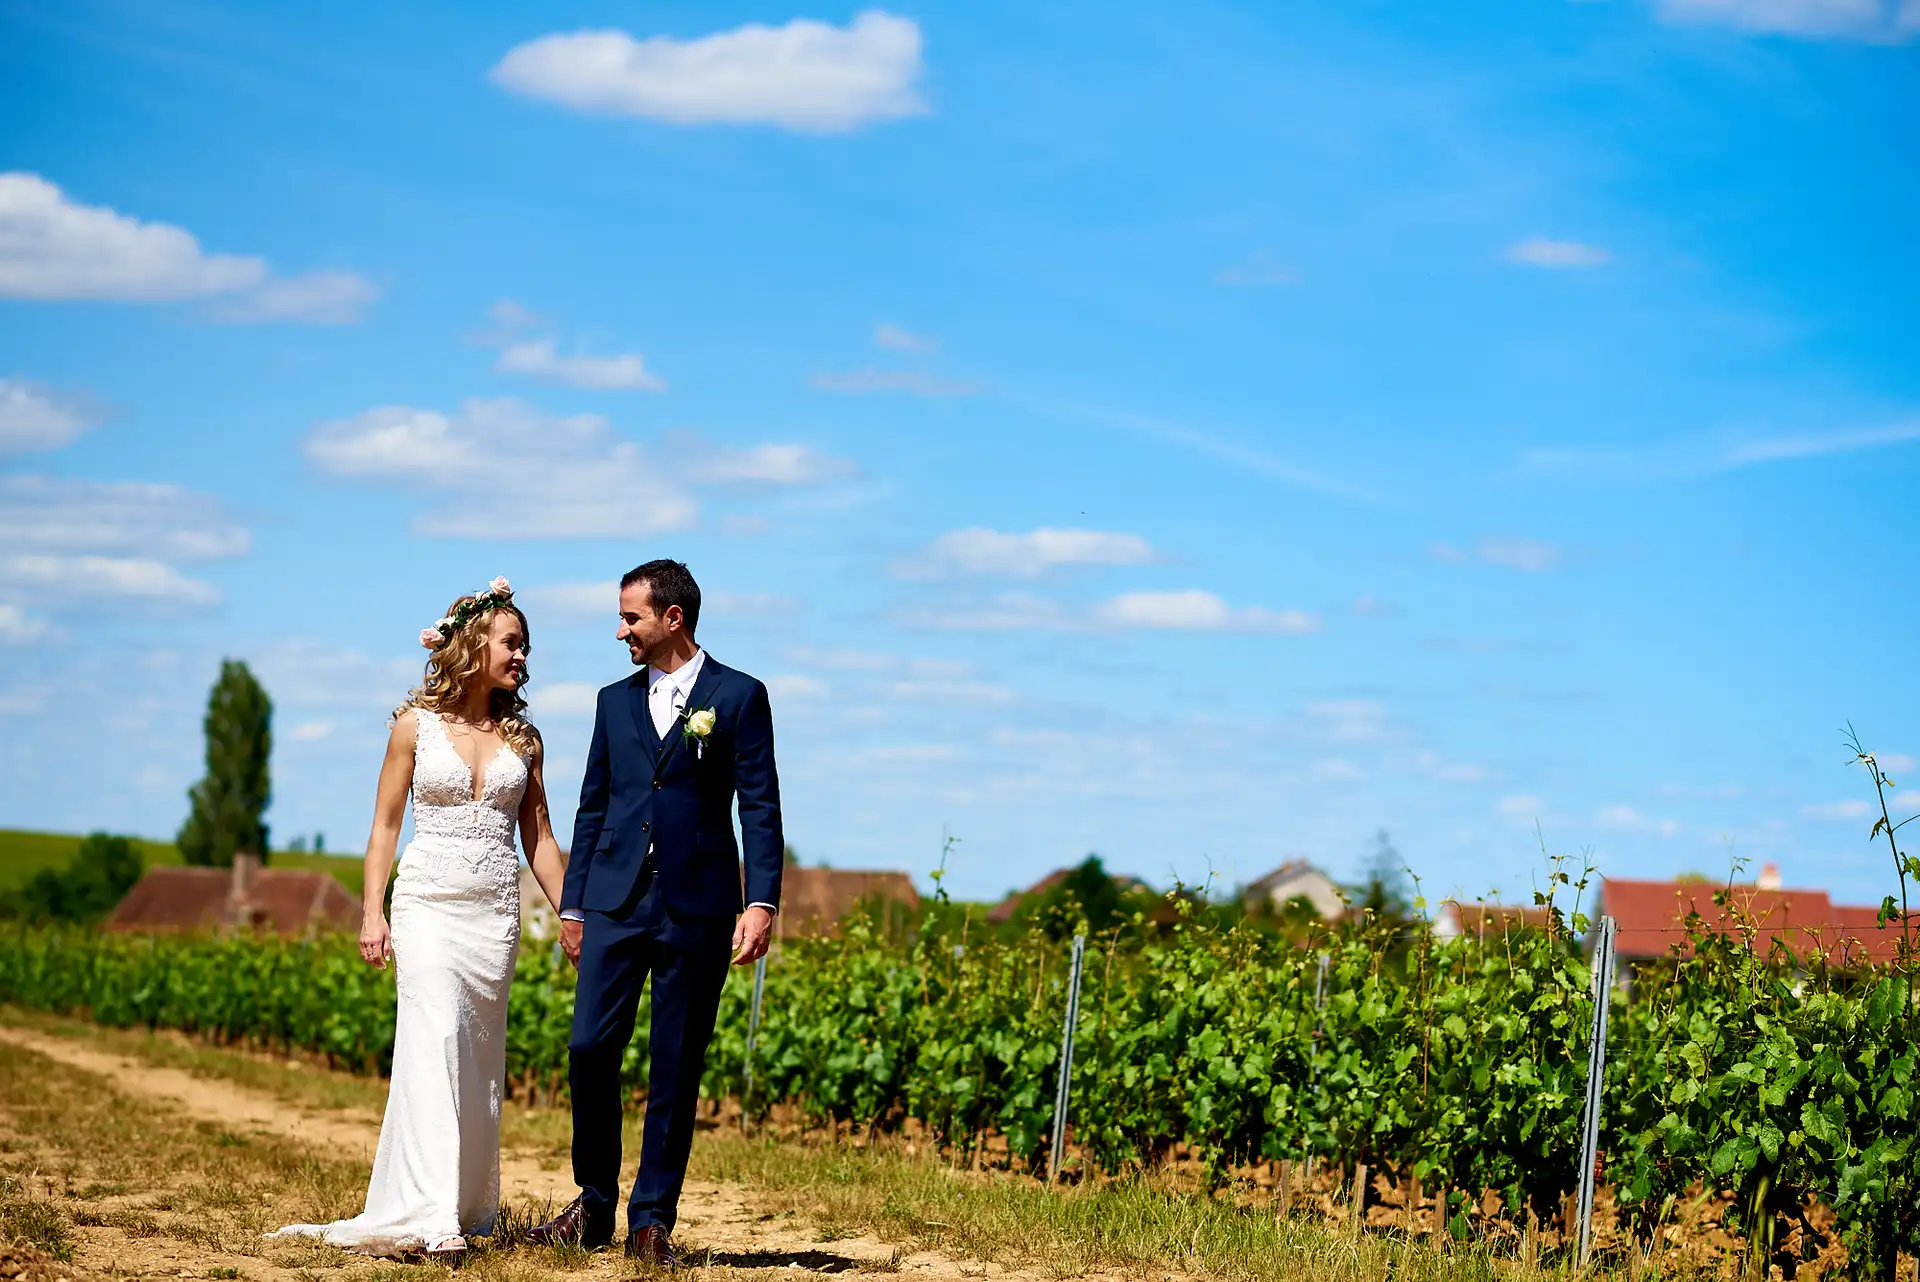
column 1603, row 954
column 1064, row 1084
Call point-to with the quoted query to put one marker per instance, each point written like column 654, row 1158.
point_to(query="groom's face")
column 648, row 635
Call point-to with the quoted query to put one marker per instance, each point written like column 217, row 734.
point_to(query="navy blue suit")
column 656, row 874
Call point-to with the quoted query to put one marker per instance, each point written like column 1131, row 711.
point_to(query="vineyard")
column 1462, row 1063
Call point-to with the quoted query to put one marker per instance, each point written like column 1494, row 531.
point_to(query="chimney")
column 246, row 869
column 1769, row 877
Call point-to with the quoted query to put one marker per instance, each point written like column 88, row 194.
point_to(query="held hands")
column 751, row 935
column 570, row 932
column 376, row 941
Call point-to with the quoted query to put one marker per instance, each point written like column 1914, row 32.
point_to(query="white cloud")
column 1539, row 251
column 55, row 248
column 317, row 298
column 1853, row 808
column 17, row 627
column 1335, row 770
column 862, row 382
column 601, row 600
column 1198, row 611
column 104, row 576
column 1892, row 761
column 570, row 477
column 896, row 339
column 762, row 465
column 796, row 686
column 1626, row 818
column 983, row 551
column 310, row 731
column 563, row 699
column 115, row 518
column 805, row 75
column 1190, row 610
column 1258, row 270
column 1842, row 19
column 1439, row 767
column 1699, row 457
column 37, row 418
column 842, row 660
column 1522, row 809
column 1348, row 720
column 975, row 692
column 1529, row 556
column 540, row 358
column 910, row 752
column 574, row 600
column 52, row 247
column 1900, row 801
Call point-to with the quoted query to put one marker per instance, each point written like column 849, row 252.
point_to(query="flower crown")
column 491, row 597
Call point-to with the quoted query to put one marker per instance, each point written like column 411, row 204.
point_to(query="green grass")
column 23, row 854
column 1138, row 1228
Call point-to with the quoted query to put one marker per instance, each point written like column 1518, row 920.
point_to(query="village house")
column 815, row 900
column 1296, row 879
column 1454, row 919
column 1650, row 918
column 279, row 901
column 1003, row 912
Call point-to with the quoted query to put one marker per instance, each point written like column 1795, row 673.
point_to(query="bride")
column 463, row 748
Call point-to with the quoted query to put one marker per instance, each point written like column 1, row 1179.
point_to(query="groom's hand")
column 570, row 932
column 751, row 935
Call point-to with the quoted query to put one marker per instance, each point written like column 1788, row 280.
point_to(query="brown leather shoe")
column 649, row 1246
column 574, row 1226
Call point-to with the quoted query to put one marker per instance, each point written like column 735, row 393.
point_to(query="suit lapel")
column 697, row 698
column 642, row 715
column 701, row 696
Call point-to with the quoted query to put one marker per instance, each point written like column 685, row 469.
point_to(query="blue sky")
column 1200, row 434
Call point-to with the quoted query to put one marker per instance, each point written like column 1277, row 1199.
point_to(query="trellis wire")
column 1596, row 1081
column 1064, row 1085
column 753, row 1031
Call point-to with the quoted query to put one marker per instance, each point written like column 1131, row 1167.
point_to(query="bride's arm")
column 389, row 809
column 536, row 832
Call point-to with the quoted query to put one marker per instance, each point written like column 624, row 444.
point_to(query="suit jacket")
column 641, row 792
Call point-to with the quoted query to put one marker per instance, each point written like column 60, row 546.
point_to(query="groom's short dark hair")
column 668, row 583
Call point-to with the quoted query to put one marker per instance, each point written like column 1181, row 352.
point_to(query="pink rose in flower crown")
column 430, row 638
column 499, row 586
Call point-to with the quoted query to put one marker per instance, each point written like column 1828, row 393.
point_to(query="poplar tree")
column 229, row 804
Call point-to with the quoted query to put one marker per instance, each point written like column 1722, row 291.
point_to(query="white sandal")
column 448, row 1250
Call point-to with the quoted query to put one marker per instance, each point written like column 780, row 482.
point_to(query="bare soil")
column 722, row 1227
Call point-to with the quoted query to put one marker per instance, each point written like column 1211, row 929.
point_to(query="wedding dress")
column 456, row 927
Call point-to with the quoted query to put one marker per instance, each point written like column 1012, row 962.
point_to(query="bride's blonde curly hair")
column 457, row 660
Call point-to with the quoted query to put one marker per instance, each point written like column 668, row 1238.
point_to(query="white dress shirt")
column 667, row 694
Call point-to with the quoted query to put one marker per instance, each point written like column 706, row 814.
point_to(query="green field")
column 23, row 854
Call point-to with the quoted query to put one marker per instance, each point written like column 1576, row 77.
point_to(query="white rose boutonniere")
column 699, row 725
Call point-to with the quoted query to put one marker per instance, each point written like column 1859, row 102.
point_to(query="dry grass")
column 75, row 1139
column 1135, row 1226
column 74, row 1153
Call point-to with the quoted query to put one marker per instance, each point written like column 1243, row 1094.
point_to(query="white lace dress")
column 456, row 927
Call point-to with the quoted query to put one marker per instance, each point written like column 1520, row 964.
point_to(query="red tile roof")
column 284, row 901
column 1651, row 919
column 1004, row 910
column 1485, row 919
column 814, row 900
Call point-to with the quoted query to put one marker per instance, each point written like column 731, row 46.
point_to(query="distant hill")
column 23, row 854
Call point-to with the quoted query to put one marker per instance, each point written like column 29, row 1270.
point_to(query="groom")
column 654, row 885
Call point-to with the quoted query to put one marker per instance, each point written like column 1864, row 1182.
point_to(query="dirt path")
column 716, row 1218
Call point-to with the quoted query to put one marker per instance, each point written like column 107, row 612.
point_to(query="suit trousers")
column 688, row 959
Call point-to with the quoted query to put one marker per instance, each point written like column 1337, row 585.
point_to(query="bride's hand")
column 376, row 942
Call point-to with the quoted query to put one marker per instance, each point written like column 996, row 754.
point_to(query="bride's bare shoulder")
column 406, row 727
